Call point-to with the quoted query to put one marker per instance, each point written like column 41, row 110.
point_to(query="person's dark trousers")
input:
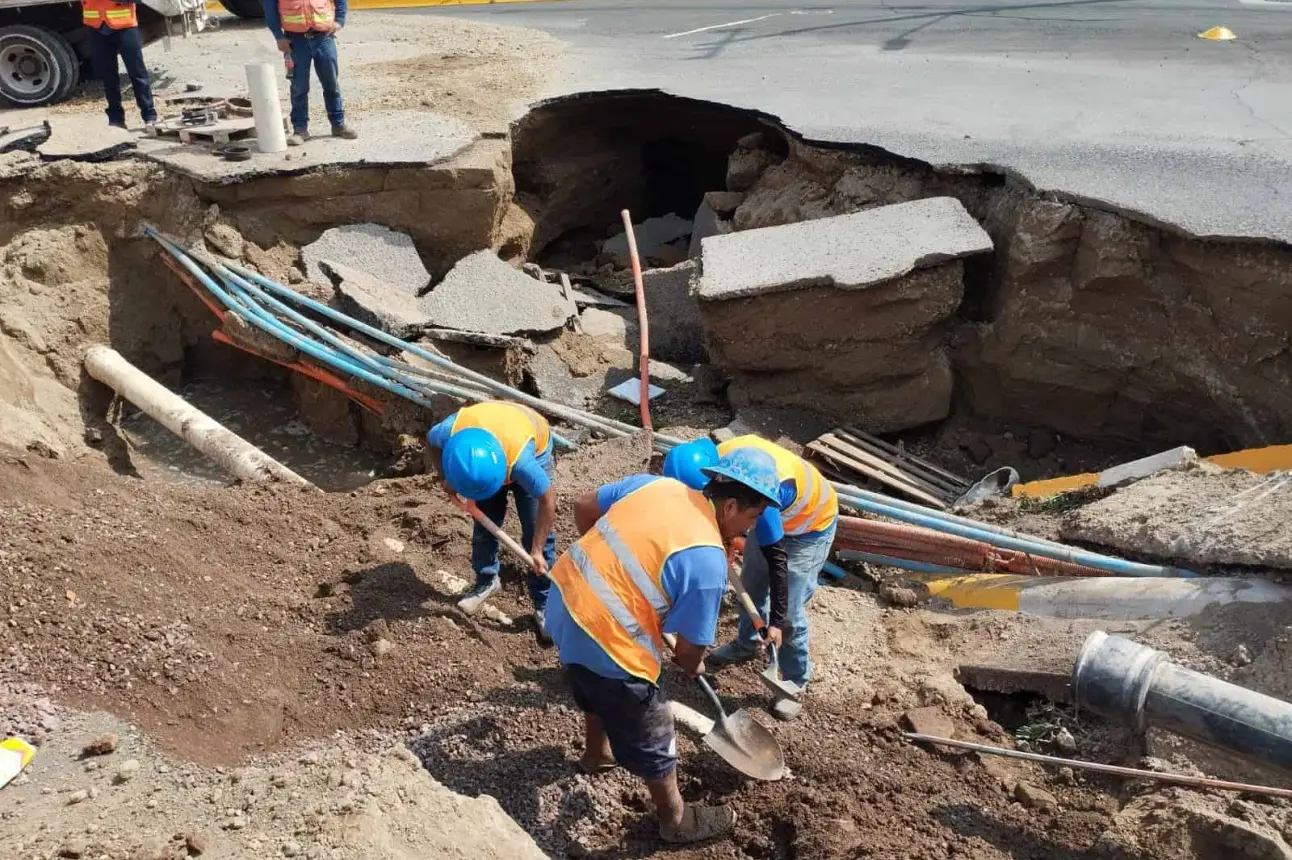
column 484, row 546
column 320, row 50
column 108, row 44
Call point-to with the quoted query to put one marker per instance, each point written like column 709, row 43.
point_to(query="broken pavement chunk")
column 481, row 293
column 85, row 138
column 653, row 236
column 373, row 301
column 384, row 254
column 841, row 316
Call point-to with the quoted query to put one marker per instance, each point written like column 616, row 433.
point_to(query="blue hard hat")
column 687, row 461
column 474, row 463
column 754, row 468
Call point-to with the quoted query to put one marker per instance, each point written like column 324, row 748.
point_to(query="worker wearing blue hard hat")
column 484, row 452
column 789, row 547
column 651, row 560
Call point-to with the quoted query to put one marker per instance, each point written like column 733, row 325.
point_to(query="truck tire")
column 37, row 66
column 244, row 8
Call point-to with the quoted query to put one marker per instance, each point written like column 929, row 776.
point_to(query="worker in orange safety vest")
column 782, row 559
column 306, row 32
column 114, row 32
column 651, row 561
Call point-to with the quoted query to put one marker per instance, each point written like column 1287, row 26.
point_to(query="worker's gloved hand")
column 284, row 45
column 539, row 562
column 774, row 636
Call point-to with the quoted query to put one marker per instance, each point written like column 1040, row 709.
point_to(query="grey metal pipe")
column 1141, row 688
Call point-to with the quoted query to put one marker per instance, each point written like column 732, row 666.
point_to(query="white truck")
column 44, row 52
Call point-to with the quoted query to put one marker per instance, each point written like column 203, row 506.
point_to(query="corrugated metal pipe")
column 1141, row 688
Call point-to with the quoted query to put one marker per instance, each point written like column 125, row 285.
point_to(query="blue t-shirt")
column 529, row 471
column 694, row 580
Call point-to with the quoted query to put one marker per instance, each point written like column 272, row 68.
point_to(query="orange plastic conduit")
column 642, row 324
column 316, row 373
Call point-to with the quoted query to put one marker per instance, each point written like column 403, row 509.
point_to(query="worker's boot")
column 540, row 626
column 298, row 138
column 486, row 587
column 786, row 709
column 730, row 654
column 344, row 132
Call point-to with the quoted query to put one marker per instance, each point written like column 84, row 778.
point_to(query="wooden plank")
column 902, row 454
column 882, row 477
column 832, row 441
column 942, row 485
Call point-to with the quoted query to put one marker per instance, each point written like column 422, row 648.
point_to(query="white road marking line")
column 720, row 26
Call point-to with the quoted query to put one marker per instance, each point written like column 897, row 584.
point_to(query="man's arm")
column 586, row 512
column 275, row 23
column 771, row 539
column 695, row 580
column 436, row 437
column 533, row 479
column 690, row 658
column 342, row 9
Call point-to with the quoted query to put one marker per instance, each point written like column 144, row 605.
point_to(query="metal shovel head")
column 771, row 678
column 747, row 746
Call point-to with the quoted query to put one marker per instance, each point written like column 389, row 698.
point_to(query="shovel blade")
column 747, row 746
column 782, row 689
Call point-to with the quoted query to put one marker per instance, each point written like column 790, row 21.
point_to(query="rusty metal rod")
column 1114, row 770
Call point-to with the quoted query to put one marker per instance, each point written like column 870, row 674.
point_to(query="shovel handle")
column 712, row 697
column 489, row 526
column 746, row 602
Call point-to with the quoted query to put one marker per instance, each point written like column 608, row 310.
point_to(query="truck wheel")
column 37, row 66
column 244, row 8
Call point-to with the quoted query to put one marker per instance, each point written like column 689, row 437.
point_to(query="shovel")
column 771, row 677
column 471, row 605
column 739, row 739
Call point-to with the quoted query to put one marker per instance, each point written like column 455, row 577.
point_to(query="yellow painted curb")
column 978, row 591
column 216, row 7
column 1262, row 461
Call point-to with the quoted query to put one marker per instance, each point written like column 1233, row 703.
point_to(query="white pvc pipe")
column 270, row 134
column 223, row 446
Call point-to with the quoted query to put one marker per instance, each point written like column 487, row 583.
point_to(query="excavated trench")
column 1086, row 336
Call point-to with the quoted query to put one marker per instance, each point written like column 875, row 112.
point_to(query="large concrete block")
column 846, row 316
column 676, row 330
column 484, row 294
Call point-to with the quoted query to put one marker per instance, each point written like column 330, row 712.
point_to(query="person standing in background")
column 114, row 32
column 306, row 30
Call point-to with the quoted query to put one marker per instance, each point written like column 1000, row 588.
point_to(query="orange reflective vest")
column 513, row 425
column 118, row 16
column 302, row 16
column 610, row 580
column 815, row 507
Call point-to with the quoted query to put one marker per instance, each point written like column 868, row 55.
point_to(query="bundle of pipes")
column 929, row 546
column 996, row 536
column 319, row 352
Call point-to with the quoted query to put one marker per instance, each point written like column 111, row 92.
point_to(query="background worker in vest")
column 651, row 560
column 306, row 31
column 782, row 559
column 483, row 452
column 114, row 32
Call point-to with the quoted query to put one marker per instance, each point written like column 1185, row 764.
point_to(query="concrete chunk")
column 846, row 252
column 707, row 223
column 375, row 302
column 653, row 235
column 484, row 294
column 384, row 254
column 676, row 330
column 85, row 138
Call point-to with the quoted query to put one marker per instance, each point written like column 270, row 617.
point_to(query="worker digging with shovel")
column 651, row 564
column 483, row 452
column 789, row 547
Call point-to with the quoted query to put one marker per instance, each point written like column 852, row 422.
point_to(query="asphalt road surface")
column 1115, row 101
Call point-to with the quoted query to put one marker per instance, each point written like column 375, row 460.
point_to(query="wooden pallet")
column 219, row 133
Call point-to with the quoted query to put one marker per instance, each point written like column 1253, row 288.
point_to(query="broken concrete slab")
column 482, row 293
column 85, row 138
column 394, row 139
column 384, row 254
column 653, row 236
column 1196, row 516
column 847, row 252
column 707, row 223
column 676, row 329
column 375, row 302
column 609, row 326
column 844, row 317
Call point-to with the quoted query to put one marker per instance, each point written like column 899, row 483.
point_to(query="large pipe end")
column 1111, row 677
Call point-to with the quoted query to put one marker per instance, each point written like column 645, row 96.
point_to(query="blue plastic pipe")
column 834, row 571
column 967, row 528
column 902, row 563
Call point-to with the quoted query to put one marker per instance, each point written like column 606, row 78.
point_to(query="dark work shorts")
column 636, row 717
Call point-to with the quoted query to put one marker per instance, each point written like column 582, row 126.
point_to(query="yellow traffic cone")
column 1218, row 34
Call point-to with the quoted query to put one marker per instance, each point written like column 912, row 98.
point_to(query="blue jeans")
column 484, row 546
column 807, row 555
column 319, row 49
column 106, row 45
